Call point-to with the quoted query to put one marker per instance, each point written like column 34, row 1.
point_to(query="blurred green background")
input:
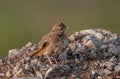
column 22, row 21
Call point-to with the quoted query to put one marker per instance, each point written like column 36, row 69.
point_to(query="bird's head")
column 59, row 27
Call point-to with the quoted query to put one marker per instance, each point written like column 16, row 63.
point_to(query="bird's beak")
column 68, row 28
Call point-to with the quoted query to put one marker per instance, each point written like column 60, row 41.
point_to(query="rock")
column 107, row 72
column 50, row 71
column 63, row 56
column 34, row 61
column 118, row 39
column 93, row 75
column 110, row 77
column 99, row 77
column 14, row 52
column 88, row 54
column 29, row 44
column 66, row 68
column 34, row 47
column 72, row 46
column 39, row 74
column 89, row 31
column 9, row 74
column 117, row 77
column 109, row 65
column 93, row 54
column 1, row 61
column 19, row 72
column 117, row 68
column 113, row 59
column 99, row 36
column 113, row 49
column 2, row 74
column 72, row 38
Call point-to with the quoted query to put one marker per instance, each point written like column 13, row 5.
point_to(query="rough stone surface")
column 90, row 54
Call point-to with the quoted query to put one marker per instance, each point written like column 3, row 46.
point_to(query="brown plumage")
column 53, row 42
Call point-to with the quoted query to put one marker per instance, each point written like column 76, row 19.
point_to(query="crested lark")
column 53, row 42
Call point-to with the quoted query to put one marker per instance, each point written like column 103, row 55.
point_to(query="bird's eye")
column 61, row 28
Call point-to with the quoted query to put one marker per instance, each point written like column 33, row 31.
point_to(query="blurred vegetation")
column 22, row 21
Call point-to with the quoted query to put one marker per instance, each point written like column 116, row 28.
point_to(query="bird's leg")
column 49, row 59
column 55, row 61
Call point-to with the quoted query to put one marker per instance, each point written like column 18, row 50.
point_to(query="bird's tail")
column 34, row 54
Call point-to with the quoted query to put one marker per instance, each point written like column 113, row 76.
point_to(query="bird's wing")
column 41, row 49
column 44, row 42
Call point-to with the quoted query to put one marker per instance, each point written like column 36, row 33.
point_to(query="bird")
column 53, row 42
